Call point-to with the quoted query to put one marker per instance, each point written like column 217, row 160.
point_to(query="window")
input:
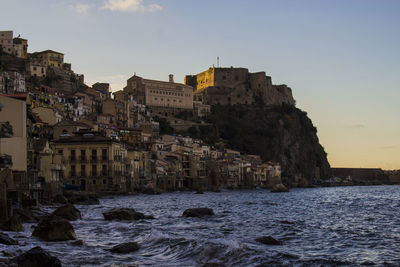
column 94, row 170
column 73, row 156
column 83, row 170
column 83, row 154
column 104, row 181
column 104, row 154
column 94, row 181
column 60, row 151
column 94, row 154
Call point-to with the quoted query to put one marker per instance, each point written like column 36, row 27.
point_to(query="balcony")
column 82, row 174
column 72, row 159
column 104, row 159
column 5, row 161
column 117, row 158
column 83, row 159
column 94, row 159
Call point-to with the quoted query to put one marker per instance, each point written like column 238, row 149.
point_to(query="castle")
column 237, row 86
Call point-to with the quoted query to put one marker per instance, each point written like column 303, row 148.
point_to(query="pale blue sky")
column 340, row 57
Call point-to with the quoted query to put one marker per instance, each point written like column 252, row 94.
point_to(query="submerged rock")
column 53, row 228
column 123, row 214
column 37, row 257
column 125, row 247
column 29, row 215
column 82, row 199
column 268, row 240
column 13, row 224
column 198, row 212
column 60, row 199
column 278, row 188
column 6, row 240
column 68, row 212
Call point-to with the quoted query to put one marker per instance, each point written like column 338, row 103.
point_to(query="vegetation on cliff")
column 282, row 133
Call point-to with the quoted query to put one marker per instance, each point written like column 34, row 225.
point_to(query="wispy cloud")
column 388, row 147
column 130, row 6
column 81, row 8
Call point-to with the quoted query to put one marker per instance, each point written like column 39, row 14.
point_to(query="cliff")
column 282, row 133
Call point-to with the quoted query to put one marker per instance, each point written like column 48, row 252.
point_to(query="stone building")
column 94, row 162
column 237, row 86
column 49, row 58
column 164, row 98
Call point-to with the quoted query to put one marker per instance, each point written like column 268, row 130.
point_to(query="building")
column 49, row 58
column 20, row 47
column 94, row 162
column 237, row 86
column 6, row 41
column 160, row 97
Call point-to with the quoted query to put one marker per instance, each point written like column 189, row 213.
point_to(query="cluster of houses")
column 56, row 133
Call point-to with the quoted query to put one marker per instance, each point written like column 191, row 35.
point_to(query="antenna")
column 217, row 62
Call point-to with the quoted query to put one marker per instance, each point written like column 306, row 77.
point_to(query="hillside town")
column 57, row 133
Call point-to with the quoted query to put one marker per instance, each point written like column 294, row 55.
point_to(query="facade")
column 161, row 97
column 237, row 86
column 6, row 41
column 50, row 58
column 95, row 163
column 14, row 111
column 20, row 47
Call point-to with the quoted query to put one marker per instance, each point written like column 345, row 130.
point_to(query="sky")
column 340, row 57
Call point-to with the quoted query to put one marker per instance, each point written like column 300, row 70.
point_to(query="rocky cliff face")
column 282, row 133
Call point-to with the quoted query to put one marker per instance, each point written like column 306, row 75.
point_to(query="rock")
column 6, row 240
column 268, row 240
column 37, row 257
column 198, row 212
column 53, row 228
column 151, row 191
column 199, row 192
column 82, row 199
column 30, row 216
column 77, row 243
column 60, row 199
column 68, row 212
column 13, row 224
column 279, row 188
column 149, row 217
column 123, row 214
column 125, row 247
column 213, row 264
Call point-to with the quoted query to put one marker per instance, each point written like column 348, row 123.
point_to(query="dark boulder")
column 123, row 214
column 125, row 247
column 13, row 224
column 36, row 257
column 278, row 188
column 6, row 240
column 198, row 212
column 151, row 191
column 68, row 212
column 82, row 199
column 30, row 215
column 53, row 228
column 60, row 199
column 268, row 240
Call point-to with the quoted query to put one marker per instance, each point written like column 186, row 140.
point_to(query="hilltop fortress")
column 237, row 86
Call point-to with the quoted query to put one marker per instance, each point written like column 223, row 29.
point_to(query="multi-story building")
column 96, row 163
column 49, row 58
column 20, row 47
column 164, row 98
column 6, row 41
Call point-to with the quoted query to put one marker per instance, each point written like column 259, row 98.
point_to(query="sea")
column 331, row 226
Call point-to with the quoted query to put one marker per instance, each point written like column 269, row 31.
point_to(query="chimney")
column 171, row 78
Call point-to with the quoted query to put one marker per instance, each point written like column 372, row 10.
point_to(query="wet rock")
column 286, row 222
column 30, row 216
column 198, row 212
column 151, row 191
column 6, row 240
column 199, row 192
column 77, row 243
column 125, row 247
column 278, row 188
column 60, row 199
column 37, row 257
column 7, row 263
column 13, row 224
column 149, row 217
column 82, row 199
column 213, row 264
column 53, row 228
column 68, row 212
column 268, row 240
column 123, row 214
